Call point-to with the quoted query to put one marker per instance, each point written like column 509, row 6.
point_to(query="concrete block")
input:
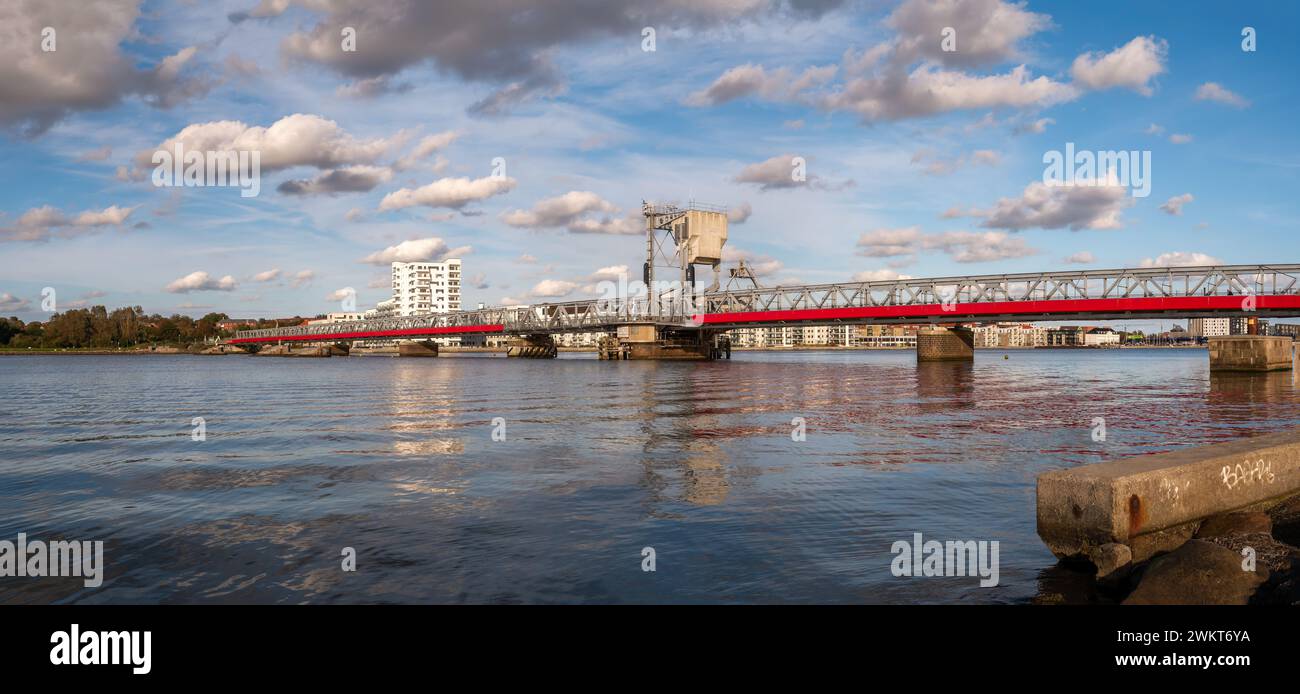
column 945, row 344
column 1153, row 503
column 1250, row 353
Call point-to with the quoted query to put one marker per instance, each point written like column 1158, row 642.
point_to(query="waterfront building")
column 425, row 287
column 1010, row 335
column 1210, row 327
column 1101, row 337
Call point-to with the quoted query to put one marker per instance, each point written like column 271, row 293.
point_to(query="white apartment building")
column 420, row 288
column 1209, row 327
column 1009, row 335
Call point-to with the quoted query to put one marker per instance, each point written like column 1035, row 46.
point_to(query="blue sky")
column 920, row 162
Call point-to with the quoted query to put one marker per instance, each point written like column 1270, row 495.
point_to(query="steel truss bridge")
column 1135, row 293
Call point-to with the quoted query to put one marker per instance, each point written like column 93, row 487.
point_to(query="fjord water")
column 395, row 458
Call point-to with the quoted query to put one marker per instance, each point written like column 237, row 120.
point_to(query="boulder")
column 1240, row 523
column 1197, row 573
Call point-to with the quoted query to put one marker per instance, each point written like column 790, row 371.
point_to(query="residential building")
column 1010, row 335
column 1210, row 327
column 426, row 287
column 1101, row 337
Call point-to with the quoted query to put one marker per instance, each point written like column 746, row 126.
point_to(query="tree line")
column 97, row 327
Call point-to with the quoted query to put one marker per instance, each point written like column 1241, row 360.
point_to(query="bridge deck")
column 1261, row 290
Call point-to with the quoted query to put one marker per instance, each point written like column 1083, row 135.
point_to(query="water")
column 395, row 458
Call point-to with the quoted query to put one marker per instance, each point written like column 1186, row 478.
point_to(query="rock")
column 1240, row 523
column 1110, row 557
column 1198, row 573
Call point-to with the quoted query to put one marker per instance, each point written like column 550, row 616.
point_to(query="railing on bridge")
column 597, row 315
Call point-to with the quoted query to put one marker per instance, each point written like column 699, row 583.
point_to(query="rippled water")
column 395, row 458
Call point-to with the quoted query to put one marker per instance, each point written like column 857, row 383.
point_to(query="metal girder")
column 599, row 315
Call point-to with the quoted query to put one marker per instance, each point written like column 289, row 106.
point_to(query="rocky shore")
column 1239, row 558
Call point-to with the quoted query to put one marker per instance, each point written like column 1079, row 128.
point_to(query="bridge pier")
column 650, row 342
column 1250, row 353
column 426, row 348
column 945, row 344
column 533, row 347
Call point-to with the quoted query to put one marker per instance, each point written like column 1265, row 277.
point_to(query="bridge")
column 692, row 323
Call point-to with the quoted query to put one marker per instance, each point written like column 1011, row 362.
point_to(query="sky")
column 850, row 141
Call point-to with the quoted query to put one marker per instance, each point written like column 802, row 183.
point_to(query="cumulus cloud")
column 929, row 90
column 612, row 272
column 200, row 281
column 758, row 264
column 427, row 145
column 777, row 85
column 1175, row 204
column 740, row 213
column 979, row 247
column 505, row 43
column 889, row 243
column 1080, row 258
column 341, row 294
column 478, row 281
column 578, row 211
column 910, row 75
column 267, row 275
column 415, row 250
column 1132, row 66
column 353, row 179
column 1078, row 205
column 45, row 222
column 1213, row 91
column 296, row 140
column 88, row 69
column 553, row 289
column 1180, row 259
column 987, row 31
column 451, row 193
column 302, row 278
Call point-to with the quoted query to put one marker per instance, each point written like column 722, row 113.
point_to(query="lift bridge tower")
column 677, row 239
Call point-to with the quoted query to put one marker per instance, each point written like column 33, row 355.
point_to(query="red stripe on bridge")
column 1062, row 307
column 408, row 332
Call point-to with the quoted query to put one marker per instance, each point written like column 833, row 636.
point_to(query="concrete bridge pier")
column 1250, row 353
column 651, row 342
column 945, row 344
column 533, row 347
column 426, row 348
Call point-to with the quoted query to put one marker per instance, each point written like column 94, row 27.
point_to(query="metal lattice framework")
column 1097, row 294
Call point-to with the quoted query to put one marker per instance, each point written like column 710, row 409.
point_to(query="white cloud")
column 267, row 275
column 758, row 264
column 1213, row 91
column 579, row 211
column 612, row 272
column 200, row 281
column 979, row 247
column 1180, row 138
column 1080, row 258
column 749, row 79
column 302, row 278
column 426, row 146
column 415, row 250
column 553, row 289
column 451, row 193
column 889, row 243
column 928, row 90
column 986, row 31
column 1175, row 204
column 41, row 223
column 296, row 140
column 1180, row 259
column 1080, row 205
column 740, row 213
column 1132, row 65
